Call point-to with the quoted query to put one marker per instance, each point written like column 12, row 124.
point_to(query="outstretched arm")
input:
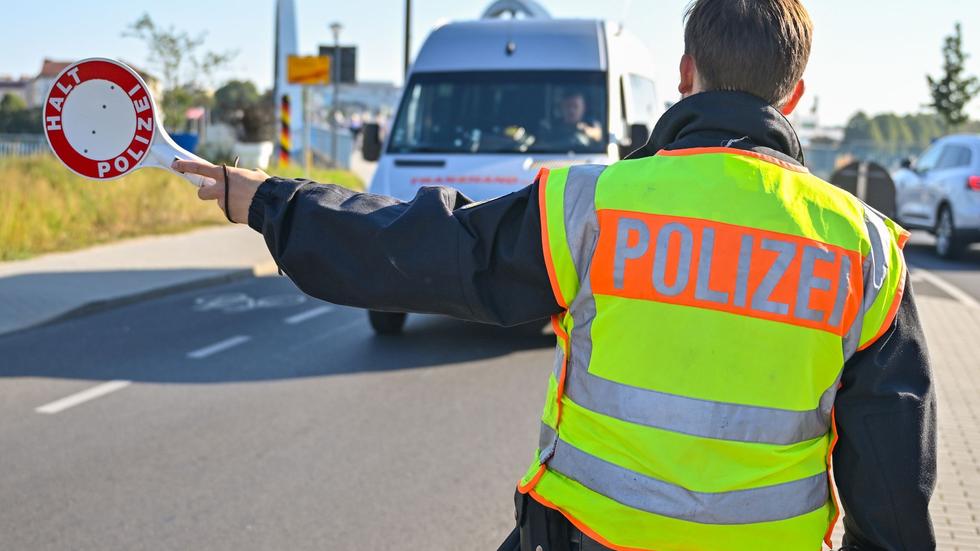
column 439, row 253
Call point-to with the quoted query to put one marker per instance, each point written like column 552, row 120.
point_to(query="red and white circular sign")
column 99, row 119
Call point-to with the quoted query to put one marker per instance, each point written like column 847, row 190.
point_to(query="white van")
column 490, row 102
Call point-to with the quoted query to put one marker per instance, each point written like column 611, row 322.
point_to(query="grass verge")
column 46, row 208
column 322, row 175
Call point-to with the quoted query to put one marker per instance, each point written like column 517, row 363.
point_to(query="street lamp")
column 408, row 34
column 335, row 28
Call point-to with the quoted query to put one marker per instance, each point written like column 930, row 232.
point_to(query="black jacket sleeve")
column 439, row 253
column 885, row 458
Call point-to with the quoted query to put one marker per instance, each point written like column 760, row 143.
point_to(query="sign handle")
column 165, row 151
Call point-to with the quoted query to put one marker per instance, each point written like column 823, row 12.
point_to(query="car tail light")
column 973, row 182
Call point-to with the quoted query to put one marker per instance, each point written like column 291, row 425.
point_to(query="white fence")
column 19, row 145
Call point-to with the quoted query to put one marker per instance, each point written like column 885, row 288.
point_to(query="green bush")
column 321, row 175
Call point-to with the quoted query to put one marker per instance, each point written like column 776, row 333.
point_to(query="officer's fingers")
column 203, row 168
column 211, row 192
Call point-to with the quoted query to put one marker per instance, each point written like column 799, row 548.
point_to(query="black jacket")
column 485, row 263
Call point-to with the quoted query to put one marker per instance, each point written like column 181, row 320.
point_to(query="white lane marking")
column 309, row 314
column 218, row 347
column 959, row 295
column 82, row 397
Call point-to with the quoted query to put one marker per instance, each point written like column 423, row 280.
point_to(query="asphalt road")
column 963, row 273
column 247, row 416
column 257, row 419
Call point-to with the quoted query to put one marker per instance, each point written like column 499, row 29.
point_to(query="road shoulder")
column 53, row 287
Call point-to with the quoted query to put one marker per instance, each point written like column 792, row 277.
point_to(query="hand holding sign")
column 242, row 185
column 101, row 122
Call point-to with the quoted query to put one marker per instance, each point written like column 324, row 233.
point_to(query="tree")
column 16, row 118
column 239, row 104
column 895, row 134
column 858, row 130
column 12, row 103
column 185, row 70
column 259, row 119
column 954, row 90
column 877, row 133
column 231, row 100
column 925, row 128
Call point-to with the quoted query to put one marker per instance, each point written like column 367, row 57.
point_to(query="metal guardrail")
column 321, row 145
column 22, row 145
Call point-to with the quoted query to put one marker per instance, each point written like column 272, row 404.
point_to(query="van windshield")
column 503, row 112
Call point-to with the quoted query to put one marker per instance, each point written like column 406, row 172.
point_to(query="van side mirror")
column 639, row 135
column 371, row 142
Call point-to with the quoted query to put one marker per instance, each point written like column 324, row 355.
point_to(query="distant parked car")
column 940, row 192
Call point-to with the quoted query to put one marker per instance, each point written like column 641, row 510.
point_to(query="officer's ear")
column 688, row 72
column 794, row 98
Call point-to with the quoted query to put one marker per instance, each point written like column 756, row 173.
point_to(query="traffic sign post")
column 307, row 71
column 101, row 122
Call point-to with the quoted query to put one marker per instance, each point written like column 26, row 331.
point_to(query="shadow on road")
column 152, row 341
column 432, row 340
column 33, row 298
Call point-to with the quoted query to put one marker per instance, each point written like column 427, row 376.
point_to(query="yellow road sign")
column 308, row 69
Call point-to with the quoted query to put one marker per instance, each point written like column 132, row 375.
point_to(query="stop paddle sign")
column 101, row 122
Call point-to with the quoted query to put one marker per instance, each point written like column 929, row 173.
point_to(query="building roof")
column 51, row 68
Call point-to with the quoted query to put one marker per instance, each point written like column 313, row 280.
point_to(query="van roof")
column 542, row 44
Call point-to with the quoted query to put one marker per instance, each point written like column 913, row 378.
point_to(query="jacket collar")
column 725, row 119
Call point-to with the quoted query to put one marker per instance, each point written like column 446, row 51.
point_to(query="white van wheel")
column 387, row 323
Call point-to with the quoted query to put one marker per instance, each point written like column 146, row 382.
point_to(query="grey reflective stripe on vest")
column 875, row 269
column 696, row 417
column 581, row 221
column 755, row 505
column 582, row 231
column 547, row 440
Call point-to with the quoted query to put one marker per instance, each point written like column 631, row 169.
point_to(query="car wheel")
column 948, row 242
column 387, row 323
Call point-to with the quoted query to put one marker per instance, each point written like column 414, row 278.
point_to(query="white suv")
column 940, row 192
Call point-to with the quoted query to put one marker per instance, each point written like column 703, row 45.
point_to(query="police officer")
column 729, row 325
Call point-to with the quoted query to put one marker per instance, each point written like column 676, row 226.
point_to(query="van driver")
column 572, row 128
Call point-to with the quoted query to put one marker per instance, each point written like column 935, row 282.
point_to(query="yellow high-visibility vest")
column 712, row 297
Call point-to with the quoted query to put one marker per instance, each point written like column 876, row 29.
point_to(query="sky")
column 869, row 55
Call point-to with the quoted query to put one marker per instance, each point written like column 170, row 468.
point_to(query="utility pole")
column 408, row 35
column 335, row 28
column 308, row 127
